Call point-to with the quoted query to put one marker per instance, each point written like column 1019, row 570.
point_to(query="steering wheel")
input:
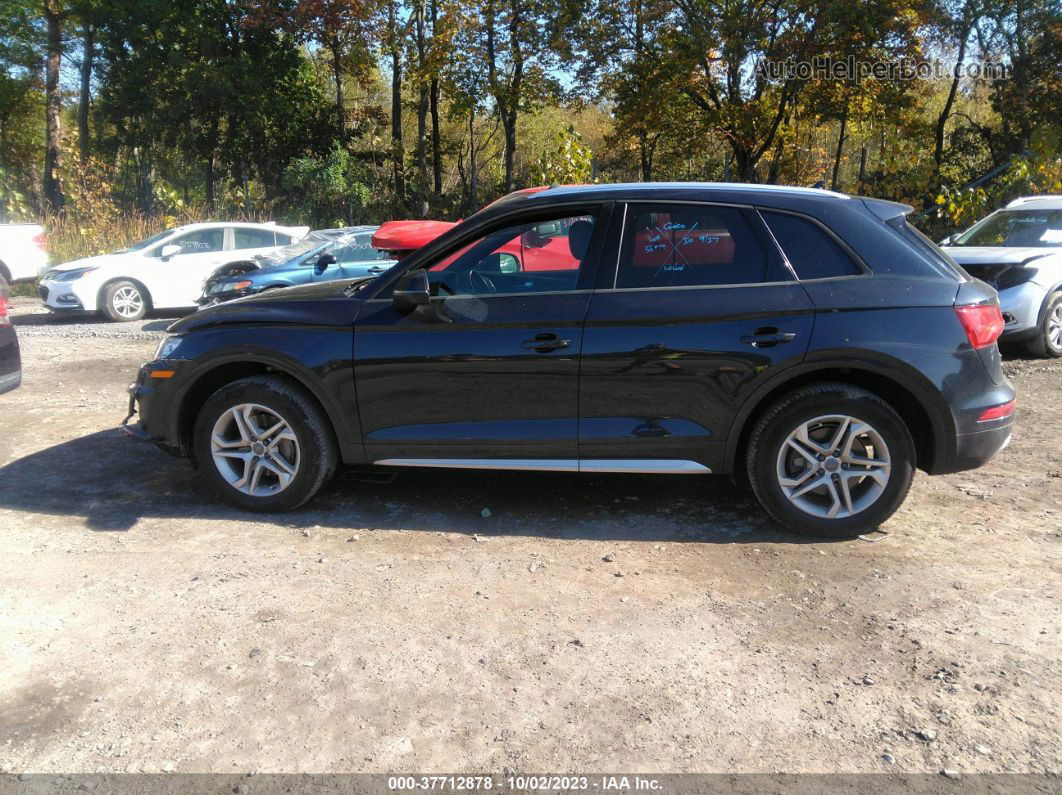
column 477, row 280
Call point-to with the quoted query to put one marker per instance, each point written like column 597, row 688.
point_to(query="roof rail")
column 1026, row 199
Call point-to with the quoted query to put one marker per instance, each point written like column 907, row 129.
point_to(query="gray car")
column 1018, row 250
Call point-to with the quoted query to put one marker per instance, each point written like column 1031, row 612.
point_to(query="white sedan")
column 166, row 271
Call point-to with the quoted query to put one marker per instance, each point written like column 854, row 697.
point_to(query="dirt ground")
column 583, row 624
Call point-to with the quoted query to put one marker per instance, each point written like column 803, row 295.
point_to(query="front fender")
column 318, row 358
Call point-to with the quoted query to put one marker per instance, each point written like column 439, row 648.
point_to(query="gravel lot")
column 579, row 623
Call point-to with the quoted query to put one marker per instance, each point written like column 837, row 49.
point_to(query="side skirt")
column 643, row 466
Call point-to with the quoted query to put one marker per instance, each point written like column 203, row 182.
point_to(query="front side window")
column 243, row 237
column 690, row 245
column 539, row 256
column 1016, row 229
column 808, row 247
column 201, row 241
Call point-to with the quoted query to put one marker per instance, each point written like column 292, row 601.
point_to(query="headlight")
column 167, row 347
column 1014, row 276
column 69, row 276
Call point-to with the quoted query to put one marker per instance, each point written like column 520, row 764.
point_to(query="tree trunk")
column 88, row 50
column 436, row 147
column 945, row 113
column 422, row 113
column 473, row 172
column 840, row 147
column 645, row 160
column 397, row 153
column 53, row 152
column 509, row 123
column 337, row 73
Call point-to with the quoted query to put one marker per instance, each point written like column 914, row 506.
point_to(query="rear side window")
column 690, row 245
column 252, row 238
column 812, row 252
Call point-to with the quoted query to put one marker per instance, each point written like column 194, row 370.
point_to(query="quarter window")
column 812, row 252
column 689, row 245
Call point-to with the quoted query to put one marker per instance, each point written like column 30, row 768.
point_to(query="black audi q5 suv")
column 811, row 342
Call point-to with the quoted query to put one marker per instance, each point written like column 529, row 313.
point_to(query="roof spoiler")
column 886, row 210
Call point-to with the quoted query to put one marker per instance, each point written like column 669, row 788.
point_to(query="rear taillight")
column 983, row 323
column 4, row 319
column 998, row 412
column 40, row 240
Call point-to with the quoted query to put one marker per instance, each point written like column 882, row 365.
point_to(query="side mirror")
column 323, row 262
column 169, row 250
column 948, row 240
column 412, row 291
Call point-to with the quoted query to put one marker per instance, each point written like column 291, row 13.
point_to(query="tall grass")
column 73, row 236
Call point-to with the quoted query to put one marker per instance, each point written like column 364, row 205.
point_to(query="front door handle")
column 377, row 269
column 768, row 337
column 545, row 342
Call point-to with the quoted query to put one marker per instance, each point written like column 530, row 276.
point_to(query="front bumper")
column 61, row 297
column 1020, row 306
column 149, row 418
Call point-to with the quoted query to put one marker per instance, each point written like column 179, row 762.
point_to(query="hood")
column 408, row 236
column 316, row 304
column 997, row 255
column 89, row 262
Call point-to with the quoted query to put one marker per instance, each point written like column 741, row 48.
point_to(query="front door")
column 698, row 312
column 178, row 280
column 490, row 369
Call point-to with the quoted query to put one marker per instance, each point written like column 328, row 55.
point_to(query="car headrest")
column 579, row 238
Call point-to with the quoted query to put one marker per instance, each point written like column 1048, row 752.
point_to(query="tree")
column 54, row 16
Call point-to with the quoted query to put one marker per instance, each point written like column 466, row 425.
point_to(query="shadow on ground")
column 111, row 482
column 154, row 321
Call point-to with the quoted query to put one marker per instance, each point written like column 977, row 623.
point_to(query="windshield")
column 296, row 251
column 148, row 242
column 1016, row 228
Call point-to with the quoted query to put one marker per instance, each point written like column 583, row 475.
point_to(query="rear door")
column 178, row 280
column 698, row 311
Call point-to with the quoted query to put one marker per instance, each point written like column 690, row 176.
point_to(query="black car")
column 10, row 358
column 812, row 342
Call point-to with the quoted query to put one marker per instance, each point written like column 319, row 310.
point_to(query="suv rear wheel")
column 831, row 460
column 264, row 444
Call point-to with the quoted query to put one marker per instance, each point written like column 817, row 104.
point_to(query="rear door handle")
column 545, row 342
column 768, row 337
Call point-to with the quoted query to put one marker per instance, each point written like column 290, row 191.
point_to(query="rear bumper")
column 10, row 359
column 976, row 449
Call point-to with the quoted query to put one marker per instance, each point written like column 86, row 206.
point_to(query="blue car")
column 322, row 256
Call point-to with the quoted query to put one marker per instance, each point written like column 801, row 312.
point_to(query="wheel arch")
column 100, row 293
column 5, row 272
column 928, row 422
column 226, row 370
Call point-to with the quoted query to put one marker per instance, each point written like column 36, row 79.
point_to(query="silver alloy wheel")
column 127, row 301
column 1054, row 327
column 833, row 466
column 255, row 450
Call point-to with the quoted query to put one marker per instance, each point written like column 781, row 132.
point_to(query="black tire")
column 317, row 453
column 124, row 301
column 1044, row 344
column 808, row 403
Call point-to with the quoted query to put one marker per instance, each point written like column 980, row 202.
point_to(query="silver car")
column 1018, row 250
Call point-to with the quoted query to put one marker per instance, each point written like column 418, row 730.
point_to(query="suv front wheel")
column 264, row 444
column 831, row 460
